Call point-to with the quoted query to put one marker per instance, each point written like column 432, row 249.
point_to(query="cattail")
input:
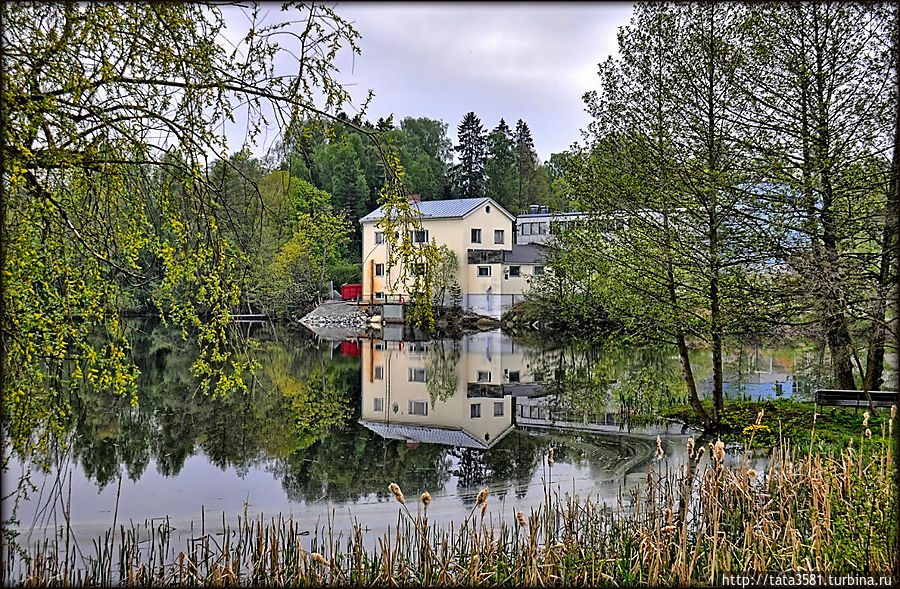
column 520, row 517
column 667, row 516
column 318, row 558
column 659, row 450
column 700, row 453
column 690, row 447
column 550, row 456
column 719, row 450
column 483, row 508
column 815, row 415
column 395, row 489
column 865, row 419
column 751, row 473
column 893, row 411
column 482, row 497
column 426, row 498
column 760, row 416
column 475, row 560
column 868, row 433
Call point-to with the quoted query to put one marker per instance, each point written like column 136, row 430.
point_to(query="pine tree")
column 468, row 174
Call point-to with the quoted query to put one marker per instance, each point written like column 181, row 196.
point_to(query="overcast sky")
column 441, row 60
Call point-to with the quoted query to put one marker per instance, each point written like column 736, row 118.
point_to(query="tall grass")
column 816, row 511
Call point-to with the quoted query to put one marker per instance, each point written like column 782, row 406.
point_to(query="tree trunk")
column 693, row 397
column 887, row 276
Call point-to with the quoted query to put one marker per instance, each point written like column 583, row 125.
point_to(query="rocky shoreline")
column 348, row 320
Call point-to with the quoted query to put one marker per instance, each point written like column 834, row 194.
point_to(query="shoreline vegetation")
column 810, row 508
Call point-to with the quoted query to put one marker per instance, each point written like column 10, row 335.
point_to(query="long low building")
column 494, row 272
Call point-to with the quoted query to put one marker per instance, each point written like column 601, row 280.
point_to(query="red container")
column 349, row 348
column 351, row 292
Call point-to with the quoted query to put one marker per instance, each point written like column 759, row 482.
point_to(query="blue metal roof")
column 425, row 435
column 437, row 209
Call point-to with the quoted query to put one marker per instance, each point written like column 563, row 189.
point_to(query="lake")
column 326, row 426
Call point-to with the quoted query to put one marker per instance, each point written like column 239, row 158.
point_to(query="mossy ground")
column 790, row 420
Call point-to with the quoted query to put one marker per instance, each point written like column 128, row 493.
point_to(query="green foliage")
column 444, row 274
column 110, row 113
column 398, row 222
column 442, row 367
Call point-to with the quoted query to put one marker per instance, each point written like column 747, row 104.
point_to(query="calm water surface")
column 327, row 425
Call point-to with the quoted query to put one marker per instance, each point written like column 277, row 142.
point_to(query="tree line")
column 741, row 178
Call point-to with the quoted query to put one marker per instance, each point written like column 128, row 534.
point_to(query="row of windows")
column 415, row 236
column 422, row 236
column 415, row 407
column 483, row 271
column 532, row 228
column 419, row 375
column 475, row 409
column 414, row 270
column 421, row 408
column 514, row 271
column 499, row 236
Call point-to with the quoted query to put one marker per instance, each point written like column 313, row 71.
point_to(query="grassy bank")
column 814, row 511
column 788, row 421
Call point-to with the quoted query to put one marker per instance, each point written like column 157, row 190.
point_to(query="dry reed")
column 820, row 511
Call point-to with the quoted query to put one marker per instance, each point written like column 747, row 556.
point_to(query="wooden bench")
column 843, row 398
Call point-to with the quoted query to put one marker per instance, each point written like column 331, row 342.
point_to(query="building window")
column 416, row 375
column 526, row 228
column 484, row 271
column 487, row 209
column 379, row 269
column 419, row 236
column 484, row 376
column 476, row 235
column 542, row 228
column 379, row 295
column 514, row 376
column 418, row 408
column 498, row 409
column 538, row 377
column 515, row 271
column 378, row 373
column 498, row 235
column 379, row 404
column 538, row 270
column 379, row 237
column 475, row 410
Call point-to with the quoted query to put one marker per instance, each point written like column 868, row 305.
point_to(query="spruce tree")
column 526, row 165
column 500, row 166
column 468, row 174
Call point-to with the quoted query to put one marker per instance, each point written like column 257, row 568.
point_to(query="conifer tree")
column 468, row 174
column 500, row 166
column 526, row 166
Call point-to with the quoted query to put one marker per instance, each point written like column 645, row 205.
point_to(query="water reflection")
column 328, row 424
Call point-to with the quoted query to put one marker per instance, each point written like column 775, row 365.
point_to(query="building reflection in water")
column 461, row 393
column 466, row 393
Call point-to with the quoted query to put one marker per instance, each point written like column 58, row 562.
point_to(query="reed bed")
column 809, row 511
